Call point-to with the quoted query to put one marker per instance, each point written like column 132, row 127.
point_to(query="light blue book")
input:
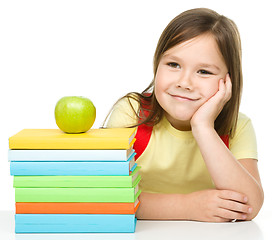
column 75, row 223
column 70, row 155
column 73, row 168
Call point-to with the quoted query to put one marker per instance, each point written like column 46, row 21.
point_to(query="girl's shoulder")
column 243, row 120
column 244, row 126
column 244, row 142
column 129, row 102
column 124, row 112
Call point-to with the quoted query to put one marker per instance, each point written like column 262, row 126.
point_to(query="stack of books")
column 74, row 183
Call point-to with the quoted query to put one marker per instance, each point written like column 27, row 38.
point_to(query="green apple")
column 75, row 114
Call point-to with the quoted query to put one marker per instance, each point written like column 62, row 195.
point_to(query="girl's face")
column 187, row 76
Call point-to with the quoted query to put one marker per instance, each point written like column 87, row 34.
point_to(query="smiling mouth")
column 183, row 98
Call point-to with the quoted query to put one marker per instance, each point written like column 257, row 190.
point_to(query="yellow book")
column 112, row 138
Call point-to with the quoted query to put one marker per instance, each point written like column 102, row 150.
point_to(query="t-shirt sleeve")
column 244, row 144
column 123, row 114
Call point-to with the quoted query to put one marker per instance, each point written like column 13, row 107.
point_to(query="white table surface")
column 259, row 228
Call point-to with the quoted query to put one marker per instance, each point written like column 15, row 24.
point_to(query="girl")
column 192, row 104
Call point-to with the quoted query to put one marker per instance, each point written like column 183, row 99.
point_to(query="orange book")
column 76, row 208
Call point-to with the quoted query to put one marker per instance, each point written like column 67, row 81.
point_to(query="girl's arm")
column 229, row 173
column 209, row 205
column 156, row 206
column 226, row 171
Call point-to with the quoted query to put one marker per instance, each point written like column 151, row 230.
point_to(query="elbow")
column 256, row 207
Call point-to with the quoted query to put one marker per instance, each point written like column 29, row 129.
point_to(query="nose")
column 185, row 81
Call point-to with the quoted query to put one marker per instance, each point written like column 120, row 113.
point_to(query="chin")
column 184, row 118
column 181, row 117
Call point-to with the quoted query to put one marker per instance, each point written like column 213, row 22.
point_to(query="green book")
column 77, row 194
column 78, row 181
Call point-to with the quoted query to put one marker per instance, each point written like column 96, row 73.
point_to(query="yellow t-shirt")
column 172, row 162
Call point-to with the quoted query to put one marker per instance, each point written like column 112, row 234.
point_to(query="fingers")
column 237, row 207
column 233, row 205
column 228, row 87
column 221, row 206
column 225, row 87
column 234, row 196
column 228, row 214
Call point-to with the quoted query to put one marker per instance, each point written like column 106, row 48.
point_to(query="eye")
column 204, row 72
column 173, row 65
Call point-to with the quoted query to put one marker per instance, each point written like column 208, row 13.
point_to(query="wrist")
column 202, row 129
column 158, row 206
column 198, row 125
column 189, row 211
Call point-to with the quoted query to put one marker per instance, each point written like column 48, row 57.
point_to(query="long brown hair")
column 186, row 26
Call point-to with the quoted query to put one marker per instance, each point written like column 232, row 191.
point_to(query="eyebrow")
column 205, row 65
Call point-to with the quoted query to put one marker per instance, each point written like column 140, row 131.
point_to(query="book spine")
column 74, row 223
column 76, row 194
column 72, row 143
column 76, row 208
column 71, row 181
column 71, row 168
column 69, row 155
column 75, row 181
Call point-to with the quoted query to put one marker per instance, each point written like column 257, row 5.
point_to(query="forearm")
column 157, row 206
column 225, row 170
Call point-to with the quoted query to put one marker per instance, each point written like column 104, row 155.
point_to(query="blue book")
column 73, row 168
column 75, row 223
column 70, row 155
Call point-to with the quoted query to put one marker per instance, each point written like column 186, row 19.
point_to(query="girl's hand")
column 218, row 206
column 208, row 112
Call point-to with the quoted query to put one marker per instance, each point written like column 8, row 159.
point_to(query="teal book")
column 73, row 168
column 75, row 223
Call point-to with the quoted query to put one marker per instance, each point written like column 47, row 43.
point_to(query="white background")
column 104, row 49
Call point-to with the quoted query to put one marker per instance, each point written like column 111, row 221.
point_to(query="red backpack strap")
column 225, row 139
column 142, row 138
column 143, row 132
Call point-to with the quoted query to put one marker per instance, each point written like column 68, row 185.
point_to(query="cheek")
column 209, row 90
column 160, row 82
column 158, row 89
